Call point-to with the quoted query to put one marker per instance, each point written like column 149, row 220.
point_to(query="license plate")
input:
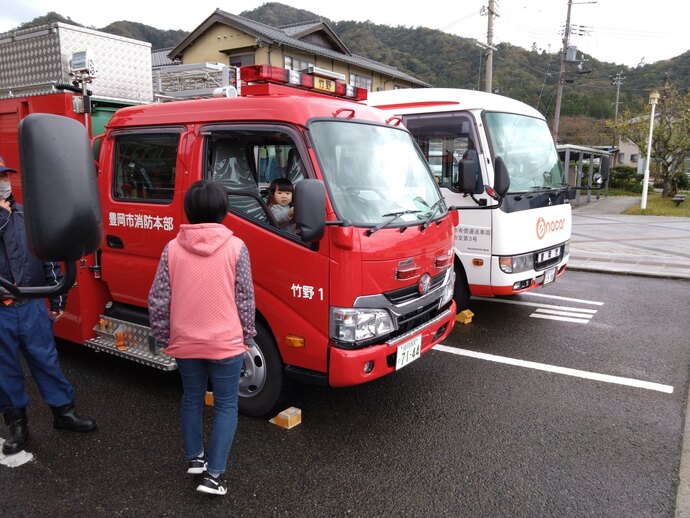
column 550, row 276
column 409, row 352
column 548, row 254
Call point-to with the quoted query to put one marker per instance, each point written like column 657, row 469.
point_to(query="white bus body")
column 524, row 243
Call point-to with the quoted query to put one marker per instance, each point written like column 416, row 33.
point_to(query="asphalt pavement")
column 605, row 240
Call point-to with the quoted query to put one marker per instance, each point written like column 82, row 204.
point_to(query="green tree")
column 671, row 137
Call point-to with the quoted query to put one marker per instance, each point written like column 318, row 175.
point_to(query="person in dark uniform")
column 26, row 327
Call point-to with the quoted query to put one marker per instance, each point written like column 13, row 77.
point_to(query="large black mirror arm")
column 39, row 292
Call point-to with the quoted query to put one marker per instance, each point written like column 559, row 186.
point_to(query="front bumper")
column 347, row 366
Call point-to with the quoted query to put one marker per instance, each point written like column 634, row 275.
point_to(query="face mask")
column 5, row 188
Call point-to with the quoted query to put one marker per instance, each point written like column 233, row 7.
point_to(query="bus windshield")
column 375, row 174
column 526, row 146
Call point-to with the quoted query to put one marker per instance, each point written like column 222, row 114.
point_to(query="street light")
column 653, row 99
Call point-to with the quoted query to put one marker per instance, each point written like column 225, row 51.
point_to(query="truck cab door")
column 142, row 208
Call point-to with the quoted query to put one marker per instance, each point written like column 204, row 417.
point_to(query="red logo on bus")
column 544, row 227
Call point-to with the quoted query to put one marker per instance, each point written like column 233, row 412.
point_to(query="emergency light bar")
column 273, row 74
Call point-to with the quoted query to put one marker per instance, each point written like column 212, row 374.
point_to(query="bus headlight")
column 516, row 263
column 354, row 325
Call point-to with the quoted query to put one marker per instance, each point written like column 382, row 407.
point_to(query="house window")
column 242, row 60
column 361, row 81
column 292, row 63
column 634, row 158
column 621, row 158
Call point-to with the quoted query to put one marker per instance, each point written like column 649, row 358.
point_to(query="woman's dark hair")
column 206, row 202
column 279, row 184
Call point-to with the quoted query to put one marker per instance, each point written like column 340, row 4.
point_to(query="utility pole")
column 617, row 81
column 490, row 12
column 561, row 74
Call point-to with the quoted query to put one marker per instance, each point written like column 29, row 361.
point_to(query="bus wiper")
column 393, row 216
column 540, row 188
column 433, row 209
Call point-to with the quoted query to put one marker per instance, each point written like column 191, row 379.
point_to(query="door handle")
column 114, row 242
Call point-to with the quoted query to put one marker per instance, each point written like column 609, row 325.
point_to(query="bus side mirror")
column 60, row 193
column 467, row 176
column 501, row 177
column 310, row 209
column 604, row 167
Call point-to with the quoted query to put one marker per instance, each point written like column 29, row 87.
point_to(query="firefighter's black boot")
column 66, row 418
column 19, row 431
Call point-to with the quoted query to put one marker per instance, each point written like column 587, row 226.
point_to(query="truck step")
column 131, row 341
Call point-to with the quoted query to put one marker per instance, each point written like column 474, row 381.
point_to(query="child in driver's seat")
column 280, row 202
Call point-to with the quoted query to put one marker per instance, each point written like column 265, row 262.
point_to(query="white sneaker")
column 196, row 466
column 212, row 485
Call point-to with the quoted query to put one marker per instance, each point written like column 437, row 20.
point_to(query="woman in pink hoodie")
column 201, row 310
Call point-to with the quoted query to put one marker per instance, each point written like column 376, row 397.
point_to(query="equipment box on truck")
column 40, row 73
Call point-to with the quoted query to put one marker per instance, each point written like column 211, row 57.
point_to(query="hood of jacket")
column 203, row 238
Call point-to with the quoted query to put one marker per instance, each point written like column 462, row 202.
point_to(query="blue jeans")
column 225, row 378
column 27, row 329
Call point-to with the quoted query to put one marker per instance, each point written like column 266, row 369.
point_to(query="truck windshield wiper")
column 432, row 210
column 393, row 216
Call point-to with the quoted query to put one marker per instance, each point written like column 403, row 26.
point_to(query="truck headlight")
column 354, row 325
column 516, row 263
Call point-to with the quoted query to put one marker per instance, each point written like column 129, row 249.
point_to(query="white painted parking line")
column 606, row 378
column 564, row 316
column 560, row 318
column 553, row 311
column 563, row 313
column 535, row 304
column 569, row 299
column 12, row 461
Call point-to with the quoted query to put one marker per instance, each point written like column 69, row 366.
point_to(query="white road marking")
column 580, row 301
column 563, row 313
column 606, row 378
column 555, row 312
column 12, row 461
column 535, row 304
column 560, row 318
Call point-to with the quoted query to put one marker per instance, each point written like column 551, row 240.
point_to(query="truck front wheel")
column 262, row 382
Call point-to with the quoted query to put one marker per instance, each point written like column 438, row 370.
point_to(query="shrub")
column 625, row 177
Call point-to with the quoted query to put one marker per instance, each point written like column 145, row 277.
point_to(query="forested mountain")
column 447, row 60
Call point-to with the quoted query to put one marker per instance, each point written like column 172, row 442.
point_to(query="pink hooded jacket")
column 201, row 303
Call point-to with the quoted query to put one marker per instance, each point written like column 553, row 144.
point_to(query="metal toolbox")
column 33, row 60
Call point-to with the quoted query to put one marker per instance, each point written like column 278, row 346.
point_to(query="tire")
column 262, row 381
column 461, row 293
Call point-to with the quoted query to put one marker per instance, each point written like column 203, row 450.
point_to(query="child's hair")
column 206, row 202
column 279, row 184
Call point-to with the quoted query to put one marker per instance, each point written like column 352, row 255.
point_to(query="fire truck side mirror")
column 310, row 209
column 60, row 194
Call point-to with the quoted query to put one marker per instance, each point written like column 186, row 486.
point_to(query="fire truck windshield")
column 526, row 146
column 373, row 172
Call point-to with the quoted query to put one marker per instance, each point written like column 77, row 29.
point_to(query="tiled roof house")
column 234, row 40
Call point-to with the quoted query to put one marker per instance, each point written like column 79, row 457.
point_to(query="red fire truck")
column 364, row 289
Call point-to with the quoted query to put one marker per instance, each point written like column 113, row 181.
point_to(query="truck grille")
column 408, row 293
column 416, row 318
column 549, row 257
